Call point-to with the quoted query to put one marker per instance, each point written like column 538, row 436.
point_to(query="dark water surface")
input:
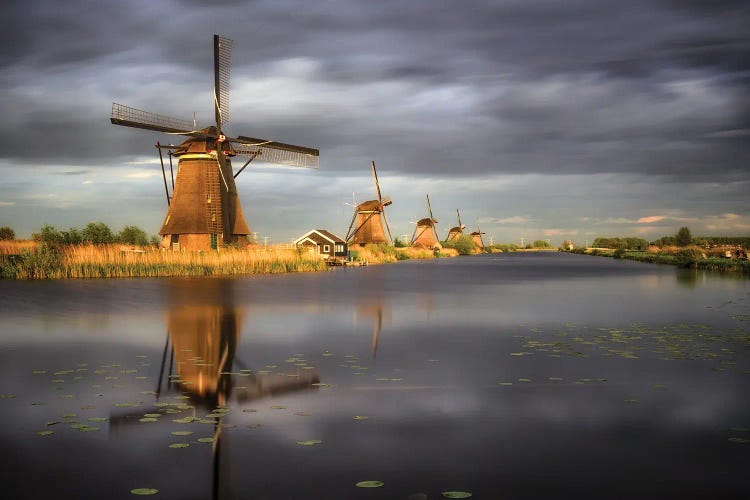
column 507, row 376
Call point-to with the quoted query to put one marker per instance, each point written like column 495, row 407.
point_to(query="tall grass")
column 111, row 261
column 15, row 247
column 382, row 253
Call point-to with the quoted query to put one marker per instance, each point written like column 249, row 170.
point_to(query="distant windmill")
column 476, row 237
column 457, row 231
column 204, row 209
column 369, row 216
column 425, row 235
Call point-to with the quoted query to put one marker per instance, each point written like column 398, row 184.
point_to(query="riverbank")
column 686, row 259
column 43, row 261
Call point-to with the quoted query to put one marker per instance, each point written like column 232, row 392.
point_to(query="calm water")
column 507, row 376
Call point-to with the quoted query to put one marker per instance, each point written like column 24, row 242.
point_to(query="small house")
column 323, row 243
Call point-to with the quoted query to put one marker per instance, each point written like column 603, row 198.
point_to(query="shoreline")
column 44, row 262
column 734, row 266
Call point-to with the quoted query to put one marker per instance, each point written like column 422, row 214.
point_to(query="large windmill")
column 369, row 216
column 425, row 235
column 204, row 209
column 456, row 232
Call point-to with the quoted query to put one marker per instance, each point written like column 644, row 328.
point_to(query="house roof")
column 321, row 236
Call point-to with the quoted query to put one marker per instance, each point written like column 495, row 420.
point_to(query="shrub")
column 6, row 233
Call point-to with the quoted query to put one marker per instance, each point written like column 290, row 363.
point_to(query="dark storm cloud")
column 433, row 88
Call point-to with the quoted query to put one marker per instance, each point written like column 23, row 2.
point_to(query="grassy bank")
column 111, row 261
column 688, row 257
column 379, row 254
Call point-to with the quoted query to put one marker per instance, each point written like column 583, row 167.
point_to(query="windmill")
column 457, row 231
column 476, row 237
column 367, row 223
column 204, row 208
column 424, row 234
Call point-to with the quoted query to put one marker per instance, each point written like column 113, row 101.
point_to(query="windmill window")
column 326, row 248
column 209, row 199
column 213, row 217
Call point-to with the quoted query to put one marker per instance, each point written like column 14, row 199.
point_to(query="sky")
column 538, row 119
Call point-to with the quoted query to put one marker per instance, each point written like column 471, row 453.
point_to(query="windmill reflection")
column 373, row 310
column 203, row 328
column 200, row 361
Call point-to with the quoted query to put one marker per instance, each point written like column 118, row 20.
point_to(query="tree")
column 398, row 243
column 133, row 235
column 98, row 233
column 542, row 244
column 7, row 233
column 683, row 237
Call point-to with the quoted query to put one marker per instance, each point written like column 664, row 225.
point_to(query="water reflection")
column 199, row 361
column 203, row 326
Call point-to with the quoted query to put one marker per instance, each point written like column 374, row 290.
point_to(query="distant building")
column 323, row 243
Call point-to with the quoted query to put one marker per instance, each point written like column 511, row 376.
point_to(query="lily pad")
column 45, row 433
column 738, row 440
column 152, row 415
column 98, row 419
column 181, row 433
column 179, row 445
column 360, row 417
column 311, row 442
column 144, row 491
column 369, row 484
column 456, row 494
column 205, row 440
column 148, row 419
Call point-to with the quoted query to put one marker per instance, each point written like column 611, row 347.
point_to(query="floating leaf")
column 152, row 415
column 179, row 445
column 740, row 429
column 181, row 433
column 144, row 491
column 632, row 401
column 369, row 484
column 738, row 440
column 249, row 410
column 148, row 419
column 88, row 428
column 39, row 372
column 54, row 422
column 456, row 494
column 125, row 405
column 505, row 383
column 147, row 392
column 360, row 417
column 45, row 433
column 320, row 384
column 98, row 419
column 205, row 440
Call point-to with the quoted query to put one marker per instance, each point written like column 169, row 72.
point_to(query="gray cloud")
column 429, row 89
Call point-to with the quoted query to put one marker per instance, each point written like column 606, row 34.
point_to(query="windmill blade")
column 390, row 239
column 222, row 63
column 459, row 219
column 377, row 184
column 430, row 209
column 277, row 152
column 132, row 117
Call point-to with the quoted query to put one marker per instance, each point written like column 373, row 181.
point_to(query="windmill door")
column 214, row 241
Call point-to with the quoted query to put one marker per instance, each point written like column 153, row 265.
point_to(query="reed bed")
column 380, row 254
column 114, row 261
column 16, row 247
